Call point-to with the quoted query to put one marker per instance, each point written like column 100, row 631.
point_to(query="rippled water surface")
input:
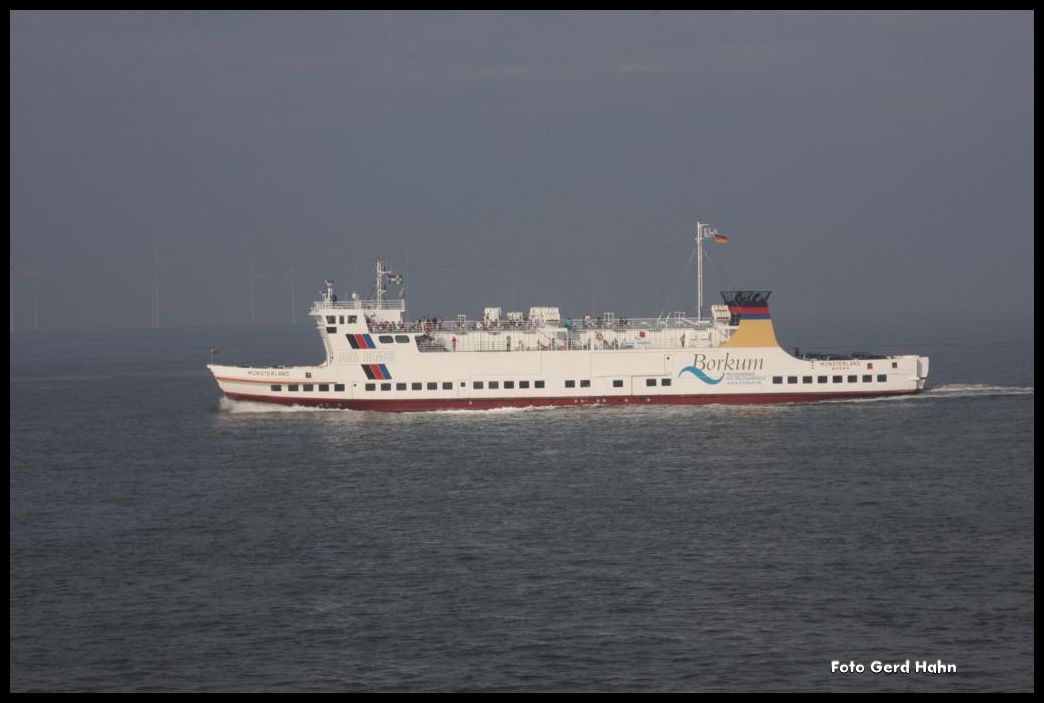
column 163, row 539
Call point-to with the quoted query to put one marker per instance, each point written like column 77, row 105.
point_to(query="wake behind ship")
column 376, row 359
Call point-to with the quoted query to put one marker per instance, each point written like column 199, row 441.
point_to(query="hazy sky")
column 858, row 162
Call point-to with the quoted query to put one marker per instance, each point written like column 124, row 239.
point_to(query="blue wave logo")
column 702, row 376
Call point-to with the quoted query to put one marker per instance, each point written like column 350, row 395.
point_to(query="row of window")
column 510, row 385
column 497, row 385
column 868, row 378
column 308, row 387
column 345, row 319
column 448, row 385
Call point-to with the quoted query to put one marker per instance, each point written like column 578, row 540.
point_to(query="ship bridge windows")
column 331, row 330
column 331, row 319
column 386, row 339
column 402, row 339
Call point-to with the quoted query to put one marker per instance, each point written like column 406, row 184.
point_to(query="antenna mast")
column 699, row 269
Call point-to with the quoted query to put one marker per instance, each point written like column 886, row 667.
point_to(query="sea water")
column 164, row 539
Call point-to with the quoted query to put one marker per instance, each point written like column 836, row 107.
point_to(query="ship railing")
column 538, row 326
column 359, row 304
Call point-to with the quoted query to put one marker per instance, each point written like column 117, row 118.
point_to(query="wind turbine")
column 154, row 274
column 35, row 275
column 292, row 275
column 254, row 278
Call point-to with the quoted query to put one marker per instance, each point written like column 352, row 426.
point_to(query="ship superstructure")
column 378, row 359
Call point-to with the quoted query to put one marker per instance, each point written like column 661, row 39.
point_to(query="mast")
column 700, row 268
column 378, row 268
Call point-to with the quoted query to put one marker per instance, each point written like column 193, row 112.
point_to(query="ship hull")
column 421, row 405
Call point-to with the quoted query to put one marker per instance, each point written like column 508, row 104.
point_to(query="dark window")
column 276, row 387
column 324, row 387
column 881, row 378
column 665, row 381
column 371, row 386
column 400, row 386
column 331, row 330
column 292, row 387
column 494, row 385
column 352, row 319
column 895, row 364
column 868, row 378
column 402, row 339
column 416, row 386
column 821, row 379
column 570, row 384
column 585, row 384
column 308, row 387
column 331, row 319
column 342, row 319
column 777, row 379
column 650, row 381
column 385, row 386
column 433, row 386
column 853, row 379
column 523, row 384
column 339, row 387
column 509, row 384
column 791, row 379
column 477, row 385
column 447, row 385
column 806, row 379
column 538, row 384
column 386, row 339
column 838, row 379
column 617, row 384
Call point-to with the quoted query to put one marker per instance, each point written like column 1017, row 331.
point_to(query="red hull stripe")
column 748, row 311
column 490, row 403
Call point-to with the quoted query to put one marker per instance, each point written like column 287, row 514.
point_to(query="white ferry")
column 377, row 359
